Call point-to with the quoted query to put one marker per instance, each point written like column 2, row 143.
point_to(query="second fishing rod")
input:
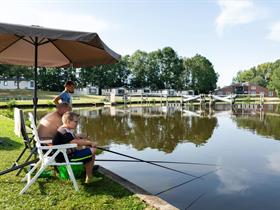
column 145, row 161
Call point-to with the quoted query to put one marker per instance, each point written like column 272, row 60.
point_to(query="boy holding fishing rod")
column 86, row 149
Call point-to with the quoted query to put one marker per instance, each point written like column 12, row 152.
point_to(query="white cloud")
column 274, row 33
column 34, row 13
column 233, row 181
column 235, row 12
column 274, row 162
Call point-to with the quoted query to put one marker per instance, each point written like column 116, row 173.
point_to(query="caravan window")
column 120, row 91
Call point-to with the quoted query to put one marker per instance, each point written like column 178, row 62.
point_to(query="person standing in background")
column 65, row 96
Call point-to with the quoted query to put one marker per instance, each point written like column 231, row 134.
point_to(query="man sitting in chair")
column 49, row 124
column 85, row 152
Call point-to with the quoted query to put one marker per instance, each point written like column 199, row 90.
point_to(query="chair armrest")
column 46, row 141
column 61, row 146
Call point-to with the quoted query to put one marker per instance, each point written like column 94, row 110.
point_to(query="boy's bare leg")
column 89, row 167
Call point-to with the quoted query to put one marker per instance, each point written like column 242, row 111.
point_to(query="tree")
column 244, row 76
column 138, row 63
column 260, row 75
column 171, row 69
column 53, row 79
column 17, row 72
column 161, row 69
column 106, row 76
column 153, row 71
column 199, row 74
column 274, row 84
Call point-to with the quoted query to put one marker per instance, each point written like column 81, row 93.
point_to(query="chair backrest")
column 17, row 121
column 35, row 134
column 23, row 129
column 20, row 127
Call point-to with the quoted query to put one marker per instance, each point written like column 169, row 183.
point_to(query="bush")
column 7, row 113
column 11, row 103
column 247, row 99
column 50, row 103
column 105, row 100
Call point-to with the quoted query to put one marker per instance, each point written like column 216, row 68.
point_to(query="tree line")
column 266, row 75
column 160, row 69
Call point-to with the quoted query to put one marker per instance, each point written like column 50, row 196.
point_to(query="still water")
column 243, row 143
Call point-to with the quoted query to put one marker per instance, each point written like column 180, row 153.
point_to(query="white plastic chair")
column 48, row 158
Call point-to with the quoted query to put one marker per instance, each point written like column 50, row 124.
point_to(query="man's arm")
column 56, row 100
column 83, row 142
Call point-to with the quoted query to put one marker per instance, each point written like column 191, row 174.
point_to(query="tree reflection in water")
column 263, row 121
column 144, row 127
column 268, row 126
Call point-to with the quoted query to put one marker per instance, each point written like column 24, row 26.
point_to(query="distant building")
column 12, row 83
column 245, row 89
column 117, row 91
column 186, row 92
column 90, row 90
column 139, row 91
column 169, row 92
column 145, row 92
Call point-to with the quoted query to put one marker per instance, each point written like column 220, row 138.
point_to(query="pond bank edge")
column 145, row 196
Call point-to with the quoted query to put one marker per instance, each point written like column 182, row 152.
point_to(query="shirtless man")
column 49, row 124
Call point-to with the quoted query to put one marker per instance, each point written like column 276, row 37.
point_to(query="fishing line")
column 158, row 161
column 186, row 182
column 155, row 164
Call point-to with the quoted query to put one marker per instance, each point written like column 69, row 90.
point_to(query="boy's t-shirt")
column 65, row 97
column 63, row 136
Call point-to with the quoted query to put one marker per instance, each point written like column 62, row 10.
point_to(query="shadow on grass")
column 106, row 186
column 8, row 144
column 101, row 187
column 42, row 187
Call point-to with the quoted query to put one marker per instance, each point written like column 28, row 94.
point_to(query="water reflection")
column 260, row 122
column 143, row 127
column 274, row 162
column 232, row 181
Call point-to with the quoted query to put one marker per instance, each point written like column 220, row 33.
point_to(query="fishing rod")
column 198, row 177
column 21, row 166
column 145, row 161
column 195, row 200
column 157, row 161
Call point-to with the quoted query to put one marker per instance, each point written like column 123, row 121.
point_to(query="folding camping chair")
column 47, row 158
column 20, row 130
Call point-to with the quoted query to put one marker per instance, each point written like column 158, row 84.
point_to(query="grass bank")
column 16, row 97
column 23, row 98
column 54, row 193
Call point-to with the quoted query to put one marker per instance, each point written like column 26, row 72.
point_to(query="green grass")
column 45, row 97
column 54, row 193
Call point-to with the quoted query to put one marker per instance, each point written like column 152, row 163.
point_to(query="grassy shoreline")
column 23, row 98
column 54, row 193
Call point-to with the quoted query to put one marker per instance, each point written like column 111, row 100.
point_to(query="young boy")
column 65, row 134
column 65, row 96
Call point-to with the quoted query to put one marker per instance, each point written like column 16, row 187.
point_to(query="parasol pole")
column 35, row 98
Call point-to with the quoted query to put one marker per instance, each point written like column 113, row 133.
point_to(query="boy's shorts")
column 83, row 155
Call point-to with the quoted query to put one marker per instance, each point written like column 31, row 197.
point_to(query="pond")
column 243, row 143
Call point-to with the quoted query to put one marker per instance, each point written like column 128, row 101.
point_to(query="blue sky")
column 233, row 34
